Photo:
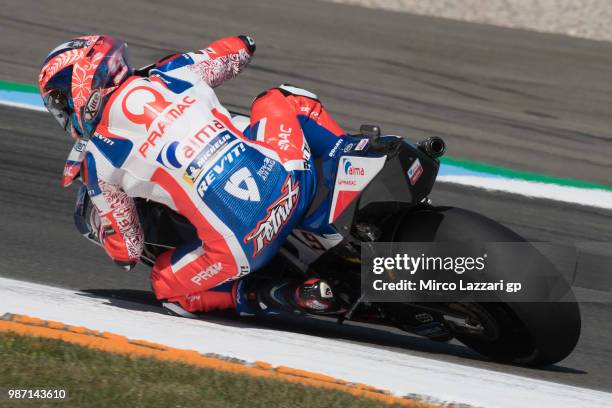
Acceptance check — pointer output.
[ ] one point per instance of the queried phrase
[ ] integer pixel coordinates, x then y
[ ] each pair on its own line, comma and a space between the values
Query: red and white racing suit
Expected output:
167, 138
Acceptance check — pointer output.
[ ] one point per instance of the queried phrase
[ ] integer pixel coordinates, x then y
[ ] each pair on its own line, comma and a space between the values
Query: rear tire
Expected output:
532, 334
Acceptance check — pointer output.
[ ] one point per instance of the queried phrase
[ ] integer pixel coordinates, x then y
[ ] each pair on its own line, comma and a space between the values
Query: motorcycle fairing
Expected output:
353, 174
341, 176
339, 181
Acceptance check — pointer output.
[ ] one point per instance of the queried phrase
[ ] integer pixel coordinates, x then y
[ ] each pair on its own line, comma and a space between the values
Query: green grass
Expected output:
522, 175
13, 86
98, 379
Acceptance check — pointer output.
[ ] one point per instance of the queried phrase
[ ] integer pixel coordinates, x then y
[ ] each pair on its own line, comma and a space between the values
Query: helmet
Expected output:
78, 76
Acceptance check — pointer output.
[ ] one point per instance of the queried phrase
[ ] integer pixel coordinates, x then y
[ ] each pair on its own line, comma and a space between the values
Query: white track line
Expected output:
400, 373
532, 189
23, 106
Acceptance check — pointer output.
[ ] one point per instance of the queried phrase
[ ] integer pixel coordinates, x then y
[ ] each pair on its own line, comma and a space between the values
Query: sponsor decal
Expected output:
242, 185
266, 168
348, 147
167, 156
71, 170
244, 270
73, 45
117, 68
155, 109
353, 175
175, 112
201, 138
223, 164
104, 139
276, 218
116, 150
93, 105
79, 43
352, 170
120, 74
349, 173
306, 151
306, 155
80, 146
152, 109
361, 145
206, 155
73, 162
334, 150
283, 138
249, 40
415, 171
207, 273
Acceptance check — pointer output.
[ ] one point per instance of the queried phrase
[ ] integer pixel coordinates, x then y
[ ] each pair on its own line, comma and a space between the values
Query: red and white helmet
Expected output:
78, 76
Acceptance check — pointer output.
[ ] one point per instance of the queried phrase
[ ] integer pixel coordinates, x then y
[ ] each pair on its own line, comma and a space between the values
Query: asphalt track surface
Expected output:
524, 100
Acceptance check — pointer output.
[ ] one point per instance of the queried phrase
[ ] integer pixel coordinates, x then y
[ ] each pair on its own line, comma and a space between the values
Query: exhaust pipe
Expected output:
434, 147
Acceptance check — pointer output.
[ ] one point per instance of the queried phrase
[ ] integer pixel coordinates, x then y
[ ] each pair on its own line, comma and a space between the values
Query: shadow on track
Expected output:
366, 335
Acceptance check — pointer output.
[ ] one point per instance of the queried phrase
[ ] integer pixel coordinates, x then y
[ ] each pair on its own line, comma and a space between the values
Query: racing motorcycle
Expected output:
388, 202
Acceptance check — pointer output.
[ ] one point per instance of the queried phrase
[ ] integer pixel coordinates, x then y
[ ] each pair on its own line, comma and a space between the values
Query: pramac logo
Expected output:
155, 104
145, 105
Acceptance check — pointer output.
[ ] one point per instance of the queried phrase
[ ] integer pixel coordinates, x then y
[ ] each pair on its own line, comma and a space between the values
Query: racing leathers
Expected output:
166, 137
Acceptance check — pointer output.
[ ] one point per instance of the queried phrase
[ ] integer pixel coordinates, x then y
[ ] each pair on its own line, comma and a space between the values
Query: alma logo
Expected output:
154, 104
351, 170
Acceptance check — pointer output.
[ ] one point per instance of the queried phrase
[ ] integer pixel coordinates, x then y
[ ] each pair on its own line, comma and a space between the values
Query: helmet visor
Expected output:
56, 97
56, 102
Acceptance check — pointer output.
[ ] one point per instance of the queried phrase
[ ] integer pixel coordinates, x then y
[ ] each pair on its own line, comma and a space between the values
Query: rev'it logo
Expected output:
154, 104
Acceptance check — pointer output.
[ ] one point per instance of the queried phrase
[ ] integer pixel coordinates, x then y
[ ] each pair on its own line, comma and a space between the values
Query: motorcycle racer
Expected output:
163, 135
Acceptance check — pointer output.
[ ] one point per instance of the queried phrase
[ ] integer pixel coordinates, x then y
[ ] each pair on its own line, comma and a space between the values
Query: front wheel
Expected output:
528, 333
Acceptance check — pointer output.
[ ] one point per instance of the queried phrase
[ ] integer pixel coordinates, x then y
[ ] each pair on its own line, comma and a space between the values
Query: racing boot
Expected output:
314, 296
